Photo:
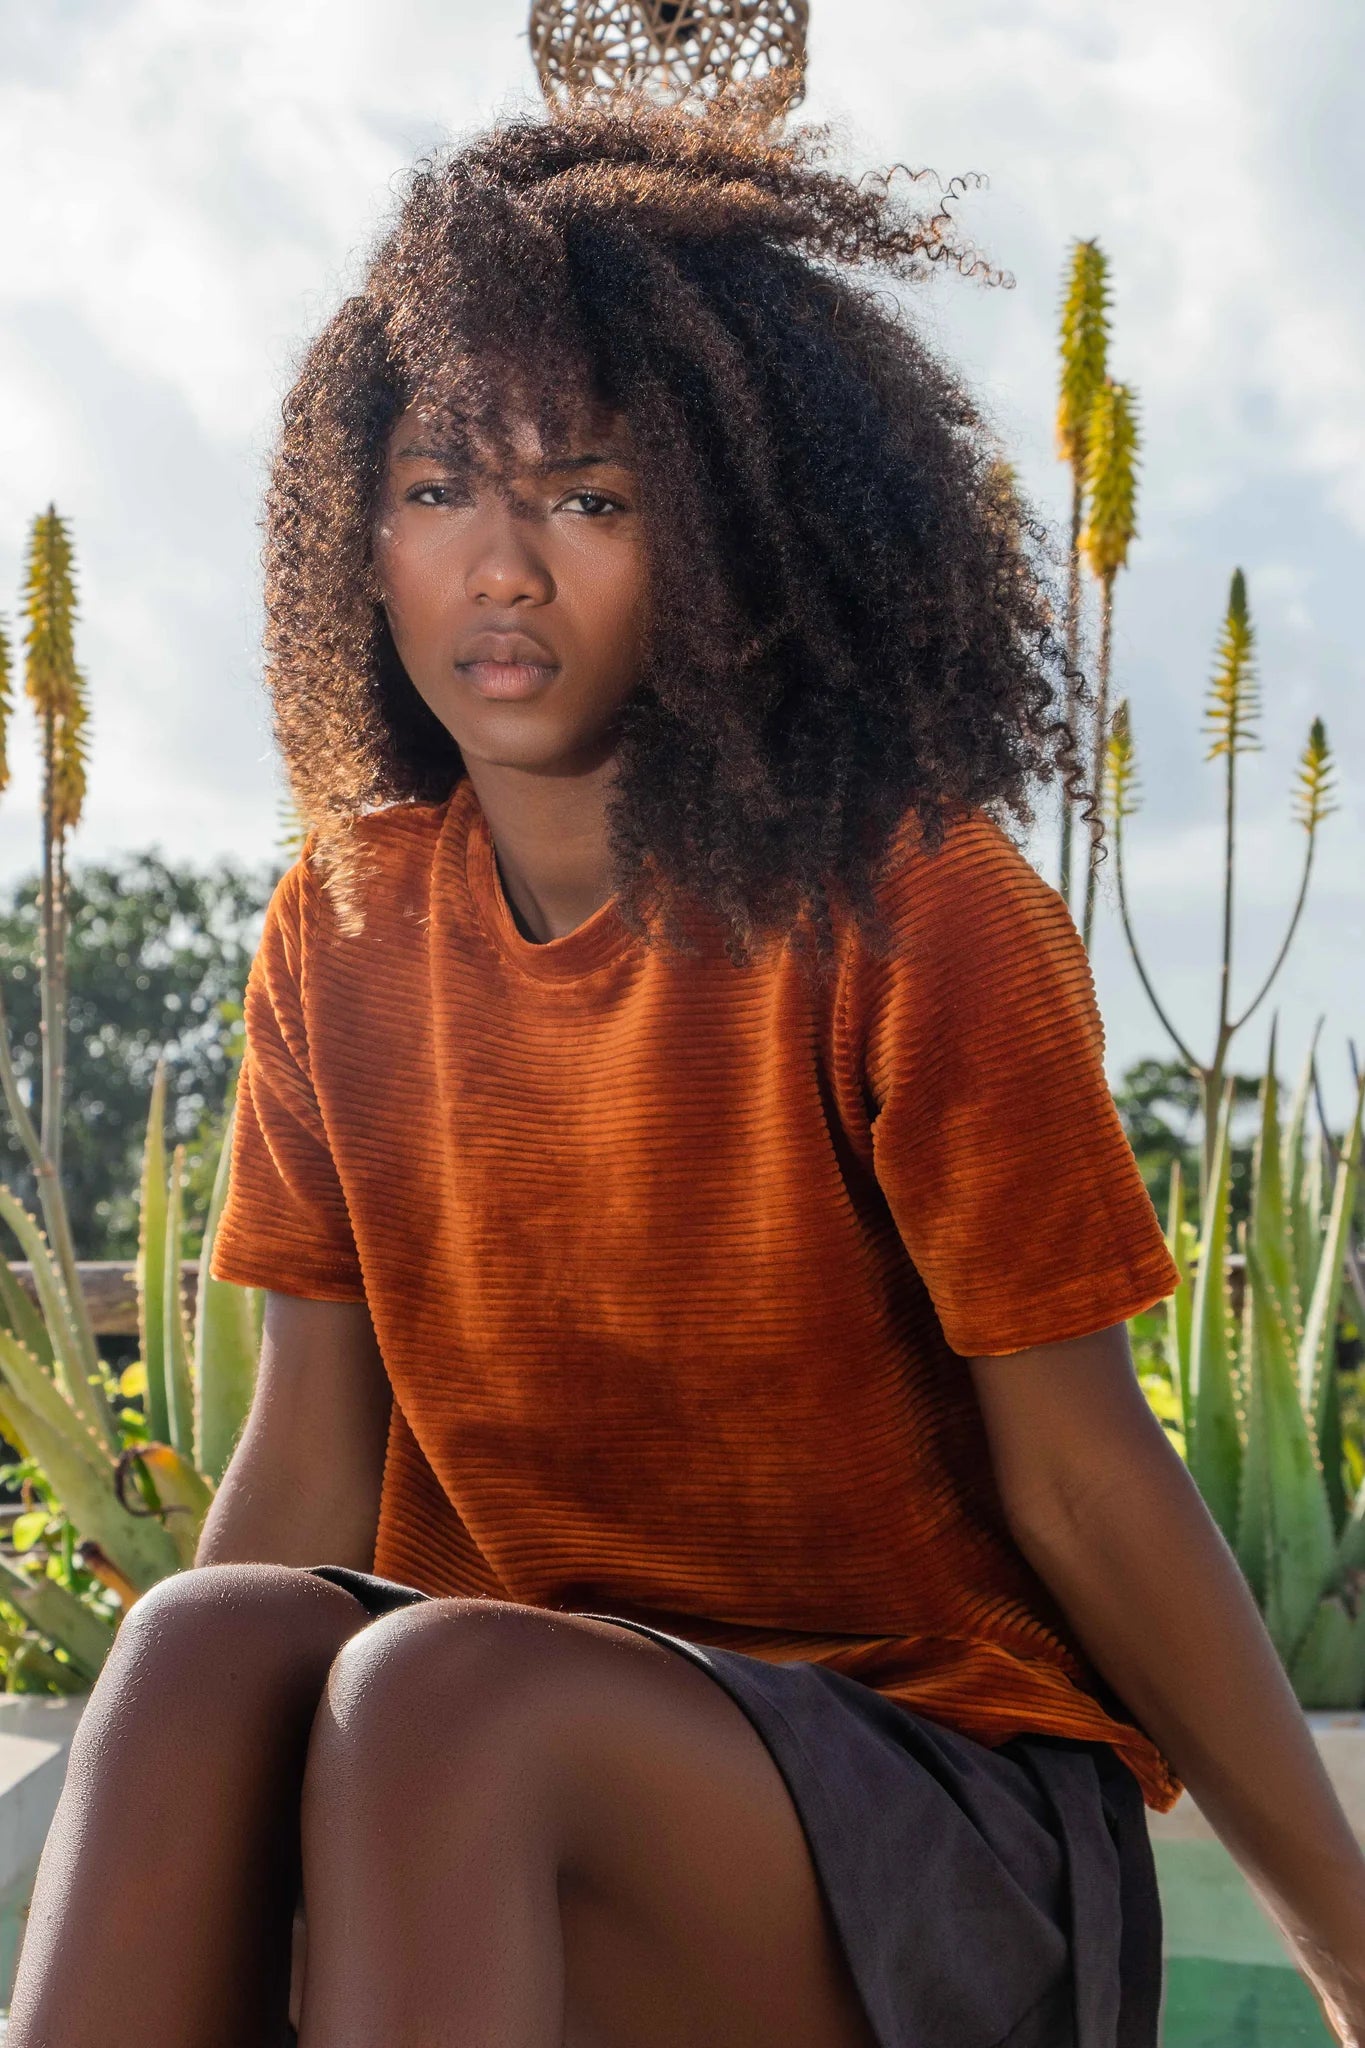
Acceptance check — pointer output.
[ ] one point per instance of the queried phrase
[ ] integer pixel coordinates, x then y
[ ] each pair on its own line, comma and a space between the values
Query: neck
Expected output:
550, 836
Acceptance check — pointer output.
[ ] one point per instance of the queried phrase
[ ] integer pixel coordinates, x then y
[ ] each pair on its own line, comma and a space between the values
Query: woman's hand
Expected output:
1104, 1510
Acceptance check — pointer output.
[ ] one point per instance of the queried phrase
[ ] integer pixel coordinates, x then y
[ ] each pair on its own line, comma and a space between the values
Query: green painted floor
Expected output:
1238, 2005
1228, 1981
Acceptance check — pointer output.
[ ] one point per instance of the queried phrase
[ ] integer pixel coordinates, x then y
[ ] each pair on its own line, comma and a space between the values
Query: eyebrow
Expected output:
558, 466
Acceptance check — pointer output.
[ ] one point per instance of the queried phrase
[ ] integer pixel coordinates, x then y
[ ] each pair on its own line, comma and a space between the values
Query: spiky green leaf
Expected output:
225, 1345
1301, 1546
1327, 1670
151, 1260
66, 1622
1180, 1305
68, 1352
1317, 1347
179, 1387
1213, 1446
20, 1316
1270, 1231
80, 1472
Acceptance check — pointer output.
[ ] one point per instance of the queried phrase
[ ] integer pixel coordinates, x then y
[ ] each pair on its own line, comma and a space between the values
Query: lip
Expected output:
506, 666
507, 680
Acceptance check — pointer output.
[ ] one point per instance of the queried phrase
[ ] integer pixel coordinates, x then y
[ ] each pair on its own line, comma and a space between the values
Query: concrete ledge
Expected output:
35, 1735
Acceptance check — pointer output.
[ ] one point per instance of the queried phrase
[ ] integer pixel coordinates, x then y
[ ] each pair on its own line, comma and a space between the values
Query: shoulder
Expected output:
311, 928
976, 888
389, 857
975, 946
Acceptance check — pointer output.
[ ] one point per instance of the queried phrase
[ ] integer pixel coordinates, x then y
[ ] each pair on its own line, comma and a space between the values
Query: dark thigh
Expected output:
477, 1765
692, 1912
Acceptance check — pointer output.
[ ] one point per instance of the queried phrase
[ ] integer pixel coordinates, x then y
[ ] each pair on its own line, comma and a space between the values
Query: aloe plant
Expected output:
123, 1493
1259, 1402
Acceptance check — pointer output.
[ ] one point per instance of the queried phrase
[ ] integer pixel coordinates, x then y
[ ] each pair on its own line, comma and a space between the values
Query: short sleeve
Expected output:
285, 1223
995, 1137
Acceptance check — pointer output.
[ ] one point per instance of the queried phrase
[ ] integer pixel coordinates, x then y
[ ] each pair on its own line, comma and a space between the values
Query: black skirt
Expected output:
984, 1898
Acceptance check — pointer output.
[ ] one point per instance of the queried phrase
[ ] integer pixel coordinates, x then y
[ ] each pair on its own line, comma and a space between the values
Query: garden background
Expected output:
187, 198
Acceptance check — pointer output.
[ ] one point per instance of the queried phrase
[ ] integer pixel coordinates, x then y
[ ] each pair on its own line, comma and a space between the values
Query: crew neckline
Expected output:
591, 945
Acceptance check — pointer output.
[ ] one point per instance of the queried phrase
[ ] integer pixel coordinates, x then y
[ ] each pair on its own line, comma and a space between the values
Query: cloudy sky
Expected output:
187, 190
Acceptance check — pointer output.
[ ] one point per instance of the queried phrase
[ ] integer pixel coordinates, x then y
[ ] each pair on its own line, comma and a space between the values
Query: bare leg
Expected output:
538, 1831
165, 1893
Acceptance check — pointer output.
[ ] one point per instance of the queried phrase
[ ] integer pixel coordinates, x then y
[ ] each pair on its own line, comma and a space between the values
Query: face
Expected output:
516, 595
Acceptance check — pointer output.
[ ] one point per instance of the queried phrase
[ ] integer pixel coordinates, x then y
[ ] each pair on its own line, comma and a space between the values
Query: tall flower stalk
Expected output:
57, 691
1231, 716
1109, 531
1084, 356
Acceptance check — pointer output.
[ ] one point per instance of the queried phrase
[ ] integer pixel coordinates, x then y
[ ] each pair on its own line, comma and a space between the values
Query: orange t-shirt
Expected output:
674, 1264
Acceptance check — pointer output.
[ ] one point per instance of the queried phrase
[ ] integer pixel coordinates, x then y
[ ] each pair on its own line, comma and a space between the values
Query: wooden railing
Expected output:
111, 1292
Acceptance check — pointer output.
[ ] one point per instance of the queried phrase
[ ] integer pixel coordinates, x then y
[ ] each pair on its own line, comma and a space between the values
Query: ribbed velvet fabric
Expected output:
674, 1265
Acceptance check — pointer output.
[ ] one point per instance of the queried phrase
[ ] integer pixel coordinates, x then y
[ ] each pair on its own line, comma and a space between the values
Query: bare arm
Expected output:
303, 1484
1106, 1513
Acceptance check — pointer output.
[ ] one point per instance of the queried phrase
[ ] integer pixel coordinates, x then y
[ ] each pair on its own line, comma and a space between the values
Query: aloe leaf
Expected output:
22, 1317
1315, 1206
1269, 1233
1332, 1450
151, 1260
179, 1388
139, 1548
184, 1494
1317, 1349
44, 1674
1301, 1547
1180, 1305
69, 1358
58, 1615
1302, 1188
36, 1388
1213, 1446
1293, 1159
225, 1342
1327, 1670
1351, 1542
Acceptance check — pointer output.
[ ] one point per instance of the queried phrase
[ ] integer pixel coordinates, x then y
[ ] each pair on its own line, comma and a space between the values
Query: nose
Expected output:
505, 565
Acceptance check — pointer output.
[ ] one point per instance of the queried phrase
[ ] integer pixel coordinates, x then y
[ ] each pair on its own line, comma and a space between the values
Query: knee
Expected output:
440, 1680
220, 1633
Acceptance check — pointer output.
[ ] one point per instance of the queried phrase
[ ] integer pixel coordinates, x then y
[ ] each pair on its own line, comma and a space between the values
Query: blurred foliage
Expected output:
157, 961
1158, 1102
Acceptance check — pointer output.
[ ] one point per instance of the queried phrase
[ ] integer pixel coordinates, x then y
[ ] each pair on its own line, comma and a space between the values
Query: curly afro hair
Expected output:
851, 617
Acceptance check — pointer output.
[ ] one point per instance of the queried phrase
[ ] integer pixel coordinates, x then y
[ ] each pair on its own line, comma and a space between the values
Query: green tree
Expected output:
1158, 1102
158, 957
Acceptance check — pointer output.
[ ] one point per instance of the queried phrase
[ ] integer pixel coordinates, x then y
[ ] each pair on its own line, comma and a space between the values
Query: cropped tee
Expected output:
675, 1264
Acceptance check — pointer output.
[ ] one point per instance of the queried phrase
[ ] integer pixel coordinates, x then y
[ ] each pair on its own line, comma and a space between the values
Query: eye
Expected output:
444, 493
592, 504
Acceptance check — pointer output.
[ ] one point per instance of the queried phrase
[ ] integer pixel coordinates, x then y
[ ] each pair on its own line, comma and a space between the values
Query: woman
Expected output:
752, 1597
